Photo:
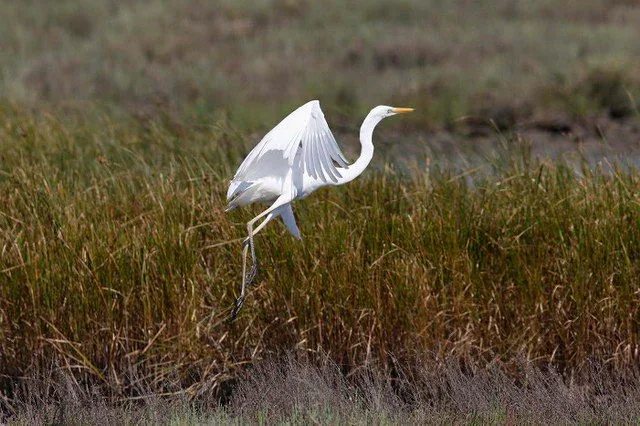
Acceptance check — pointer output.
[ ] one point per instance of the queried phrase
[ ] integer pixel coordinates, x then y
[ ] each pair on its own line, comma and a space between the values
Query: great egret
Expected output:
294, 159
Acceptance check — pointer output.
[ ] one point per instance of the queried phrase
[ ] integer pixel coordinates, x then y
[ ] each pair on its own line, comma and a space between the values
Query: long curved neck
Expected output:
366, 152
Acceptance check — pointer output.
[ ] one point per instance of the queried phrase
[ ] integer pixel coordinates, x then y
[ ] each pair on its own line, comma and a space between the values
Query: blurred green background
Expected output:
507, 60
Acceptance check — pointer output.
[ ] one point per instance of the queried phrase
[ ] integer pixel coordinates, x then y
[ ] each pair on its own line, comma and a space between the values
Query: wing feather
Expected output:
334, 150
329, 171
304, 129
317, 160
309, 163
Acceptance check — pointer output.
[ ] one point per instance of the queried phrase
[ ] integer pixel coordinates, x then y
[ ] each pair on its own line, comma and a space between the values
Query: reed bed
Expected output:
119, 265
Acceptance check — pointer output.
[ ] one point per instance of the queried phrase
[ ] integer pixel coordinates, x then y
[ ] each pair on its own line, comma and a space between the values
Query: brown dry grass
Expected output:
118, 265
117, 256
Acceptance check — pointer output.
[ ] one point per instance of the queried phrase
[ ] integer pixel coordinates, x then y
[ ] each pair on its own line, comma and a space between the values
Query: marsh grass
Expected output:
119, 265
292, 390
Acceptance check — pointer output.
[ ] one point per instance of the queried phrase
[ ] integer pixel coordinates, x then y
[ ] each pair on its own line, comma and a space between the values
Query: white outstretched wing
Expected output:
304, 130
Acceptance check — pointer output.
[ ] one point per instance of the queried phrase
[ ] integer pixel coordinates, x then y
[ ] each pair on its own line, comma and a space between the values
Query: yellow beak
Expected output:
402, 110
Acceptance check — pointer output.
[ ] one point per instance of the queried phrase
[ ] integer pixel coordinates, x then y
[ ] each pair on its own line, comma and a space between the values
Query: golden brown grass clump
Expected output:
116, 256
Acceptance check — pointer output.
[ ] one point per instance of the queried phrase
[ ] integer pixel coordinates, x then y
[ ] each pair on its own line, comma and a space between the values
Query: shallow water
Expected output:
602, 144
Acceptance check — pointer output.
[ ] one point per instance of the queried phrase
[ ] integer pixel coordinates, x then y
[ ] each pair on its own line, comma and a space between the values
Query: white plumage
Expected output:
294, 159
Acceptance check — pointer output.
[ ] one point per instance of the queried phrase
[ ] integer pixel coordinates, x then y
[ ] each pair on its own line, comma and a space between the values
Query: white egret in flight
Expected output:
294, 159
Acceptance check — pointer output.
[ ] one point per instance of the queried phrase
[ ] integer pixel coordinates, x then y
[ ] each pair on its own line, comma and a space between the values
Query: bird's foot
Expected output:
237, 305
251, 275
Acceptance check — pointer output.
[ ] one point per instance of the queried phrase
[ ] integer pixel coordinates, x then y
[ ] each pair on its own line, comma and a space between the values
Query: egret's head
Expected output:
383, 111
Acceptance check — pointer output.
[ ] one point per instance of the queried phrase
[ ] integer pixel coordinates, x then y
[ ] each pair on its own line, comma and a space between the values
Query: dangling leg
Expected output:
287, 216
237, 305
247, 278
248, 242
271, 212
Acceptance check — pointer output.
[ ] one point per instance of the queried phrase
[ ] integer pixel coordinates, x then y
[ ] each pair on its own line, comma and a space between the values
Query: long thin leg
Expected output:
244, 270
254, 261
252, 232
247, 279
264, 223
240, 300
282, 200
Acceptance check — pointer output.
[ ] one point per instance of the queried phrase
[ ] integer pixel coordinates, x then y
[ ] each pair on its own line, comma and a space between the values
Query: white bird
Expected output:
297, 157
